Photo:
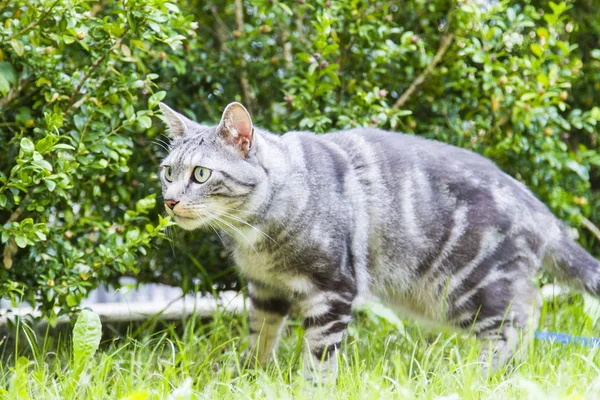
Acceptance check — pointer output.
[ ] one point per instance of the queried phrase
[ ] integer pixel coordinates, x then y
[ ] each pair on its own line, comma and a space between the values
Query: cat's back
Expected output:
408, 151
403, 160
395, 168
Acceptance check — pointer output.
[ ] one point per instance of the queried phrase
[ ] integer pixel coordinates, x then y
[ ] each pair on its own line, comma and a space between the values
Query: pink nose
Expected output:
171, 203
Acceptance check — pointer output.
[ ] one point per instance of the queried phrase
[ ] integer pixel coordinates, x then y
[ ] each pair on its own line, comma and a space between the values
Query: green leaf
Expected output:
3, 200
146, 204
581, 170
8, 72
543, 79
8, 77
42, 81
40, 235
156, 98
172, 7
145, 122
4, 86
132, 234
100, 164
86, 337
128, 110
43, 164
80, 121
21, 241
50, 184
43, 145
63, 146
285, 8
479, 58
17, 45
536, 49
528, 96
27, 146
381, 311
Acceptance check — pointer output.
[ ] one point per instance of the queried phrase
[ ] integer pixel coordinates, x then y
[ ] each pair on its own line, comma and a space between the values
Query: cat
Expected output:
316, 222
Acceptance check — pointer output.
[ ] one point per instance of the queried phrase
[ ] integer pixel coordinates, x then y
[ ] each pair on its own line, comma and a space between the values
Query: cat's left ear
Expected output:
176, 122
236, 128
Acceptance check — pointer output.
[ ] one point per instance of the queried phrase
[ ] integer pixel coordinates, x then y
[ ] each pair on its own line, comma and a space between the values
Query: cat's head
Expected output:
211, 175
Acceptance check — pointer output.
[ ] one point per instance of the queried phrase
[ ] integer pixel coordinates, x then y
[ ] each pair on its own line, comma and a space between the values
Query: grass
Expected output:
201, 360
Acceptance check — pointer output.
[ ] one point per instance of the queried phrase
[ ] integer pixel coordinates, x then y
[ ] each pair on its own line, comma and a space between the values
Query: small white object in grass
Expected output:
453, 396
183, 391
574, 233
551, 291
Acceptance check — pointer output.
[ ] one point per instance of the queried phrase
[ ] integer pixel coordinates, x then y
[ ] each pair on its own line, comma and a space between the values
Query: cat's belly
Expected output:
421, 300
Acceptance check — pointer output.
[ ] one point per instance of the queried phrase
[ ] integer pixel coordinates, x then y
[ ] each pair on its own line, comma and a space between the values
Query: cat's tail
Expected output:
571, 264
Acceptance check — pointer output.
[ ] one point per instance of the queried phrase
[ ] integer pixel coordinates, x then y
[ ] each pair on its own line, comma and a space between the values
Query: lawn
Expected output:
380, 359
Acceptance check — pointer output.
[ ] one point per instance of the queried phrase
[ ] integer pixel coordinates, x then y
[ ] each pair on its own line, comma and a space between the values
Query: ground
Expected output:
379, 361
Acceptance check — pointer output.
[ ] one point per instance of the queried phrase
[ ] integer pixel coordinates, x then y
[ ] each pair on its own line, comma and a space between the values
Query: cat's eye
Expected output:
201, 174
168, 173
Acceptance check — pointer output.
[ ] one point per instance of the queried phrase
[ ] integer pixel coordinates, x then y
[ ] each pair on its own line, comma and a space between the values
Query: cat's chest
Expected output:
260, 260
256, 259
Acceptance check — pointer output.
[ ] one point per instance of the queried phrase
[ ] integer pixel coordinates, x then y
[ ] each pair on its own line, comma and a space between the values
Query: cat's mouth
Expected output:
189, 222
183, 217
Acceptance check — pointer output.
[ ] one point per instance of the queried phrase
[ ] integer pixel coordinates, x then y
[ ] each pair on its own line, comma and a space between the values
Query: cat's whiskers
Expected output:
162, 144
216, 231
217, 218
239, 219
170, 233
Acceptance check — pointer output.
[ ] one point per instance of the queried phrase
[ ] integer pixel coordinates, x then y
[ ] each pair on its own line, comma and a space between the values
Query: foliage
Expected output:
517, 82
77, 93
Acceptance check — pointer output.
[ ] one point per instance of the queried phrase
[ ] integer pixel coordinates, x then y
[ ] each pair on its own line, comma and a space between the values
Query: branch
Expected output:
239, 15
209, 110
445, 43
286, 47
9, 249
11, 246
589, 225
239, 26
17, 213
94, 66
33, 24
499, 123
220, 29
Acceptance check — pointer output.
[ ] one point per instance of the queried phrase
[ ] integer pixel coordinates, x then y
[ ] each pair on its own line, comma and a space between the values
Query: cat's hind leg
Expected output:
505, 317
326, 315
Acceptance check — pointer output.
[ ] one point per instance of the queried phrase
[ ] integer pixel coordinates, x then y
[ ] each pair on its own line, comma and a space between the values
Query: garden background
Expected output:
517, 81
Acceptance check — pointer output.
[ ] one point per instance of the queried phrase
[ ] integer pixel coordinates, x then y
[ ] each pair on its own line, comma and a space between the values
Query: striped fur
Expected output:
316, 221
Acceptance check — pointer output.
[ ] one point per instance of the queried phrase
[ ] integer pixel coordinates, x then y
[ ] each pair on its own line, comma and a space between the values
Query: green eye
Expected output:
169, 173
201, 174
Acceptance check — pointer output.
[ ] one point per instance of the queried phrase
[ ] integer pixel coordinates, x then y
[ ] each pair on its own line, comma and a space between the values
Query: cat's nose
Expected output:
171, 203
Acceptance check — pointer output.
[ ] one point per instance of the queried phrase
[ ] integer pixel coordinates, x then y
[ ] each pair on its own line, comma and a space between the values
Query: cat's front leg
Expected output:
267, 311
326, 315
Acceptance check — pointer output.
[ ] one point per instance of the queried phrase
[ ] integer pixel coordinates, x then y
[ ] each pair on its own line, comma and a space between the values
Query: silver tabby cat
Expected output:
315, 222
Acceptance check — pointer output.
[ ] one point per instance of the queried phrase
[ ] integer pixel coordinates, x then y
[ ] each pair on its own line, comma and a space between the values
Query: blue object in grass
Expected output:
567, 339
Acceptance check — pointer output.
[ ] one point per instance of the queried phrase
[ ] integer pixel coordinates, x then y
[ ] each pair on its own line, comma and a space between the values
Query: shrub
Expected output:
515, 81
78, 94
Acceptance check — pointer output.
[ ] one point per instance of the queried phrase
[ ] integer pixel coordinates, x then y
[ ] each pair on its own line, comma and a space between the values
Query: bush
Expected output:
517, 82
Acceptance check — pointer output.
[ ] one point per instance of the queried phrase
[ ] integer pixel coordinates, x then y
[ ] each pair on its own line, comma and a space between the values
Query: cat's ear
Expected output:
236, 128
176, 122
